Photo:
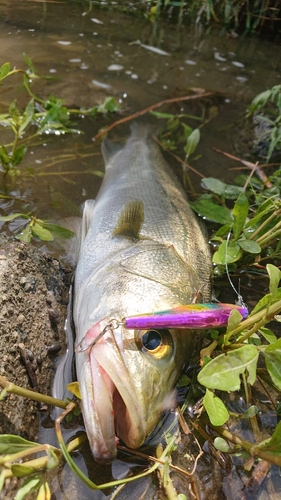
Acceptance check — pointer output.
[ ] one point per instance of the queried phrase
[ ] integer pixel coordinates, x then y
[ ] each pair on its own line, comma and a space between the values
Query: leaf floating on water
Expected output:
224, 371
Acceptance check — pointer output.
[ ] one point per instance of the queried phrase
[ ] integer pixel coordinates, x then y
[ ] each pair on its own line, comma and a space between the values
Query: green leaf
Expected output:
274, 278
29, 485
192, 142
184, 381
5, 218
233, 321
21, 470
58, 231
265, 301
25, 235
2, 479
259, 101
28, 61
27, 116
218, 187
10, 444
53, 460
250, 413
161, 115
222, 445
4, 156
211, 211
216, 409
41, 232
272, 354
187, 131
268, 334
240, 213
224, 371
274, 444
18, 155
3, 394
249, 246
4, 70
227, 252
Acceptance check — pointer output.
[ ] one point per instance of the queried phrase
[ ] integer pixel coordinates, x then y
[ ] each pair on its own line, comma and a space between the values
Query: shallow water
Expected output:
90, 50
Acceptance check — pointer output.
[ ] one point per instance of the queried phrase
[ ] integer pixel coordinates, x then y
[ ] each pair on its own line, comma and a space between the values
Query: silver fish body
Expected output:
142, 250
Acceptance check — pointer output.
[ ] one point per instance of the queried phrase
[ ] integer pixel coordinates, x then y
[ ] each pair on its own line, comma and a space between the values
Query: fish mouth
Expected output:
111, 409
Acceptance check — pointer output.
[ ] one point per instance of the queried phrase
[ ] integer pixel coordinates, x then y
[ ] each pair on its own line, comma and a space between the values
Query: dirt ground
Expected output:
33, 301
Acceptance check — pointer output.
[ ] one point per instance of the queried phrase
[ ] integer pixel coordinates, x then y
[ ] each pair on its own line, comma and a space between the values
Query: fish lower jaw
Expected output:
110, 413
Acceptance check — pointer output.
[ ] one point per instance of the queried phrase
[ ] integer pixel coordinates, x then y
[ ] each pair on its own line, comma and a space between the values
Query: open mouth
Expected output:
111, 409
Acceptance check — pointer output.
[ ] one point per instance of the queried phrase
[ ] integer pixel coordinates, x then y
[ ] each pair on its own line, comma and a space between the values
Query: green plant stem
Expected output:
251, 448
81, 474
261, 318
264, 224
35, 396
41, 462
24, 453
165, 477
271, 236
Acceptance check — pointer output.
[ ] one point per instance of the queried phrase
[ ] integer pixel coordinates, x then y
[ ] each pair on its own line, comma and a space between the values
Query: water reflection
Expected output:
91, 52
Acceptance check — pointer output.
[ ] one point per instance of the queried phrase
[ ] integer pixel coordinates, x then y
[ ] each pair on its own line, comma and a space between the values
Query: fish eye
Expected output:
157, 343
151, 340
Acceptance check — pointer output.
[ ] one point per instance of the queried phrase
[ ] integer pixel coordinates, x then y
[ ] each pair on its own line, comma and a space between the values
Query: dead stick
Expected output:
150, 108
247, 164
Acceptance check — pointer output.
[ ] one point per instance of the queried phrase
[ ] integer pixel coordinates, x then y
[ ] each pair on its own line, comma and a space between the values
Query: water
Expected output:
92, 51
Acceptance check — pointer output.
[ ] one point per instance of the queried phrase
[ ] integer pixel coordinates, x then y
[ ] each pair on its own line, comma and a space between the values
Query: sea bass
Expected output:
142, 249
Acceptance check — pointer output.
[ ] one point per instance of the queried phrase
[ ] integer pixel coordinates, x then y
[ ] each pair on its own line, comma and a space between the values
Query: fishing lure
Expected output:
191, 316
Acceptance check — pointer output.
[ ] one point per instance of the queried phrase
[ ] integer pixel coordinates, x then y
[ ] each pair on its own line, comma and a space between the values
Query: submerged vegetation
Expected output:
245, 233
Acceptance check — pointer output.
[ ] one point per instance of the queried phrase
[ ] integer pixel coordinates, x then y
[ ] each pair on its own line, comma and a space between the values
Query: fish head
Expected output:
128, 376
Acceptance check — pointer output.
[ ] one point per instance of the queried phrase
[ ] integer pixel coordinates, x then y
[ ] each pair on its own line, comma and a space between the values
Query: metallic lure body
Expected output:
142, 249
194, 316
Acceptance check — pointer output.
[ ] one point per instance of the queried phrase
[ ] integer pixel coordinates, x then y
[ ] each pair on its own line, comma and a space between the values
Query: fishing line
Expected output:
240, 300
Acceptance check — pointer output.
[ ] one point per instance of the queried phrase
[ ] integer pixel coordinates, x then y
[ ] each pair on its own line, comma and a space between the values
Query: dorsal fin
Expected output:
130, 220
110, 149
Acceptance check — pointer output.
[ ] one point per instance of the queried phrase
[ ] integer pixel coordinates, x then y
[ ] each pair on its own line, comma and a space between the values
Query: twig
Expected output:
150, 108
248, 164
179, 159
35, 396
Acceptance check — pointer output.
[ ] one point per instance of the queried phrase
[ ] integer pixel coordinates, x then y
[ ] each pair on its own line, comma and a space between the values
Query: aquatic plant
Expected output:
235, 14
49, 116
266, 110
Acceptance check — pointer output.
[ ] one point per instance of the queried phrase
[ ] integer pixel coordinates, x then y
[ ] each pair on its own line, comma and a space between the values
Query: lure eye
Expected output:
157, 343
151, 340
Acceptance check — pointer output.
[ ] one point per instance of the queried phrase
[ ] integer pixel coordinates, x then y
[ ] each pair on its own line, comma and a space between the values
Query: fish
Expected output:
141, 249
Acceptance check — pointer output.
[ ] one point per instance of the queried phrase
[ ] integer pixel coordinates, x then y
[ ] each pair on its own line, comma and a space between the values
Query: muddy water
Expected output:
91, 50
